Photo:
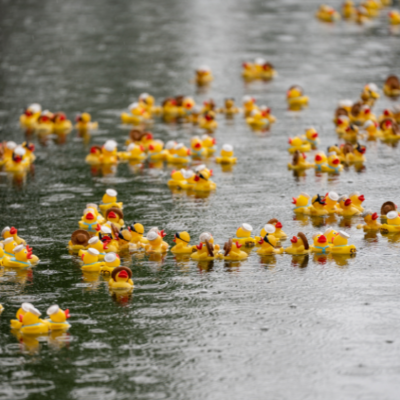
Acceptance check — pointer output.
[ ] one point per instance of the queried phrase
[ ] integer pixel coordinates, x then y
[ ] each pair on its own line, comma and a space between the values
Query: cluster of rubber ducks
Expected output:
258, 69
14, 252
364, 12
45, 122
15, 158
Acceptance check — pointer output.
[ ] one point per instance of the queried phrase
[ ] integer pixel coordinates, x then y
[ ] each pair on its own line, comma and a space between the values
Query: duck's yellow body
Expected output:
182, 246
327, 14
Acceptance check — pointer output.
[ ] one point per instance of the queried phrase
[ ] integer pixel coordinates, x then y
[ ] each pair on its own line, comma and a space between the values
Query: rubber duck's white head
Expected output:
204, 69
227, 150
341, 238
154, 238
112, 260
21, 253
170, 145
110, 196
205, 236
248, 101
110, 146
244, 230
393, 218
35, 108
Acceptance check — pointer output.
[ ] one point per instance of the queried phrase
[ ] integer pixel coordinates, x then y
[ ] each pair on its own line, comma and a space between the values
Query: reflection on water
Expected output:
275, 326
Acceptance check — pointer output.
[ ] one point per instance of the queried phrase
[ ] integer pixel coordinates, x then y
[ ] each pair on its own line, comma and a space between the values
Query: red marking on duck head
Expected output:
278, 225
374, 216
347, 202
322, 239
294, 239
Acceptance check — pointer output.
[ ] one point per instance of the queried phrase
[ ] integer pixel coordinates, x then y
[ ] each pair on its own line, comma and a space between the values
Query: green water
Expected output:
265, 328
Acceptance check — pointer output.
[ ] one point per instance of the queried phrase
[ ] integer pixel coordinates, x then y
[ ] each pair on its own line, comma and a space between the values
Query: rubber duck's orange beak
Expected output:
211, 172
162, 234
188, 152
189, 105
123, 275
93, 150
28, 113
347, 202
82, 257
13, 231
151, 147
386, 113
261, 241
336, 161
374, 216
66, 312
322, 239
304, 156
294, 201
89, 216
197, 146
112, 214
199, 246
29, 255
315, 135
278, 225
196, 178
238, 245
141, 148
20, 317
149, 136
214, 141
293, 239
290, 141
361, 198
318, 158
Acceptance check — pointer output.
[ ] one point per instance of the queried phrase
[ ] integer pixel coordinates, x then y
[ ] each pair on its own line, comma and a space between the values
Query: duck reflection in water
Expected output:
300, 175
392, 237
302, 218
205, 265
268, 261
371, 237
106, 170
29, 343
122, 297
318, 221
321, 259
300, 261
93, 280
232, 266
182, 262
227, 167
345, 222
342, 260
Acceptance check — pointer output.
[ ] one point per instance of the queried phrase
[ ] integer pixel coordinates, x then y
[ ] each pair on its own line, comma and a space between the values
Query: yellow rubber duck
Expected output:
229, 108
348, 9
9, 245
179, 178
260, 69
301, 203
44, 124
209, 144
268, 244
8, 151
30, 116
121, 279
202, 180
327, 14
29, 149
232, 251
110, 200
17, 322
295, 98
155, 243
390, 130
370, 94
111, 261
330, 234
249, 105
138, 114
393, 223
371, 222
91, 261
133, 152
311, 136
320, 244
279, 233
392, 86
30, 322
17, 163
207, 121
347, 208
115, 216
109, 152
371, 130
357, 199
387, 206
20, 259
340, 244
148, 102
297, 144
243, 236
266, 114
372, 7
95, 243
194, 116
257, 119
12, 232
205, 250
89, 221
84, 123
156, 152
109, 235
299, 245
299, 161
57, 320
79, 240
331, 202
137, 232
203, 75
317, 206
333, 165
320, 161
182, 155
394, 17
61, 124
343, 122
182, 246
226, 156
357, 155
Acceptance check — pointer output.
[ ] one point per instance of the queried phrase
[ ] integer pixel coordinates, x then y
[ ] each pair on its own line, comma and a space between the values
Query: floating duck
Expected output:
266, 114
295, 98
29, 149
390, 130
299, 162
229, 108
387, 206
89, 221
392, 86
148, 102
327, 14
320, 161
121, 279
249, 105
260, 69
202, 180
79, 240
138, 114
370, 94
91, 261
20, 258
372, 130
209, 144
357, 155
351, 133
170, 111
182, 246
232, 251
333, 165
257, 119
116, 216
348, 9
110, 200
12, 232
317, 206
57, 320
111, 261
371, 221
393, 223
61, 124
137, 232
372, 7
340, 244
179, 179
9, 245
107, 154
30, 323
8, 150
268, 244
203, 75
302, 203
30, 116
156, 152
394, 17
343, 122
206, 250
357, 199
185, 107
208, 122
299, 245
84, 123
297, 144
320, 244
155, 243
194, 116
331, 202
347, 207
243, 236
181, 155
17, 322
109, 235
226, 156
330, 234
197, 149
311, 136
95, 243
17, 163
133, 152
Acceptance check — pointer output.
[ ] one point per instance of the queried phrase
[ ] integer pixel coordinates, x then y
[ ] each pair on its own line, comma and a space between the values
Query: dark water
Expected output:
273, 328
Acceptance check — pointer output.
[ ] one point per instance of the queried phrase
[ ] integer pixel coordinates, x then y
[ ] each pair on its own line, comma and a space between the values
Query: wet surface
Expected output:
277, 327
